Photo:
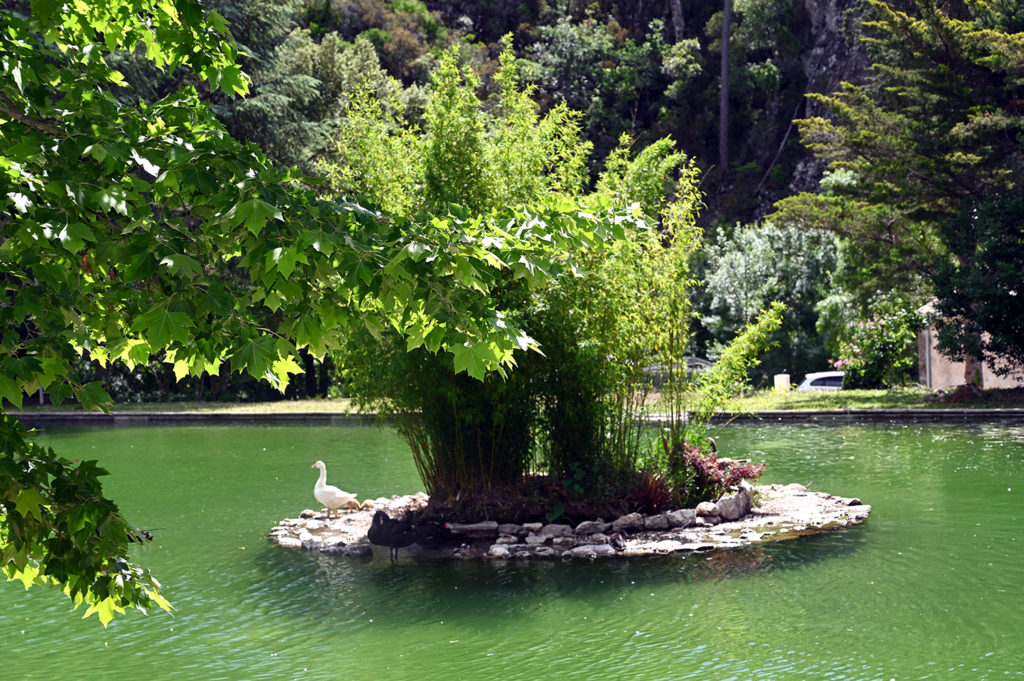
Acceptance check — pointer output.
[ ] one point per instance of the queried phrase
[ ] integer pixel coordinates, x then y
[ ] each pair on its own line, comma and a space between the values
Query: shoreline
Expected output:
61, 419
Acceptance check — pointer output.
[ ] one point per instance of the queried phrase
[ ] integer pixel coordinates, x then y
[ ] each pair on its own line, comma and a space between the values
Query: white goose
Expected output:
329, 495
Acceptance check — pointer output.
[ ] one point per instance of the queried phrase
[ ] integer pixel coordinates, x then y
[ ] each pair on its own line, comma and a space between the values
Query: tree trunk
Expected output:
972, 364
678, 21
972, 372
723, 104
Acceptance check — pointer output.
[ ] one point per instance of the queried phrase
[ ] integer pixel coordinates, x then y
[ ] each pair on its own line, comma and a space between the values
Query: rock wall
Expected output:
835, 55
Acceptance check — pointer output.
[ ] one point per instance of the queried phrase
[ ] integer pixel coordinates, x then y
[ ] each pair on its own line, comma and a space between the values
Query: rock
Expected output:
315, 525
564, 542
289, 542
545, 552
631, 522
498, 551
592, 527
511, 529
507, 539
664, 546
554, 530
684, 517
483, 529
305, 536
360, 550
735, 506
656, 522
706, 509
795, 488
854, 502
599, 538
532, 527
591, 551
307, 513
535, 539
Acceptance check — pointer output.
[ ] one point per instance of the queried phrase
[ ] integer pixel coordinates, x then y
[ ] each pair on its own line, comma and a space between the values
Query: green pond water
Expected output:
930, 587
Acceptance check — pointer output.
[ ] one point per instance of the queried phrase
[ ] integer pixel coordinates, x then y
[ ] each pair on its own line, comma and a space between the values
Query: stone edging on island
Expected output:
781, 512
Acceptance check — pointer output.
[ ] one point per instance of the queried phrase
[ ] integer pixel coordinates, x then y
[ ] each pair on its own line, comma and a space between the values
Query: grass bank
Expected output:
896, 398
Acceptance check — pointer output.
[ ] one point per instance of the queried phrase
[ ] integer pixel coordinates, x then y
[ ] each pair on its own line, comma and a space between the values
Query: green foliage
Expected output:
600, 324
57, 528
140, 230
728, 376
748, 267
980, 312
685, 452
938, 121
587, 66
626, 313
466, 154
454, 164
881, 350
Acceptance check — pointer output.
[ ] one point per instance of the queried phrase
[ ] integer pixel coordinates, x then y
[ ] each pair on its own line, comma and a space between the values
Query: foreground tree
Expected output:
133, 231
938, 123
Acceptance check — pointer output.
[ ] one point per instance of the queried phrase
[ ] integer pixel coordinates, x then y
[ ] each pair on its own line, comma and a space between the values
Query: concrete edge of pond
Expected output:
54, 419
750, 516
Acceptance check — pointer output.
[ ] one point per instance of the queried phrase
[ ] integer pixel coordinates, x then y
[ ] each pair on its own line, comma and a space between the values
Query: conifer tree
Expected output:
940, 122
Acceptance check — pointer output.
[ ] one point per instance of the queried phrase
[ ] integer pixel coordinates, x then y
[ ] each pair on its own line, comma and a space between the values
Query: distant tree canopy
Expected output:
133, 230
749, 267
647, 69
938, 126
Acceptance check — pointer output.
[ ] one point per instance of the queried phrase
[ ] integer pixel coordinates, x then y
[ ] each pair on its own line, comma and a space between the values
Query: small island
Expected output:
749, 516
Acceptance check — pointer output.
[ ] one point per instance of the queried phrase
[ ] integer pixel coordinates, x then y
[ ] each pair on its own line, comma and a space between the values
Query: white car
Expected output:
822, 380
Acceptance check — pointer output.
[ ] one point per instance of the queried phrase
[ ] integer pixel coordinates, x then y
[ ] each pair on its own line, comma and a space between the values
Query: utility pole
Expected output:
723, 102
678, 21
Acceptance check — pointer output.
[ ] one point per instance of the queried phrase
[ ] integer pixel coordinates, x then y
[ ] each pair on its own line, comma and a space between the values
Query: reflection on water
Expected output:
928, 587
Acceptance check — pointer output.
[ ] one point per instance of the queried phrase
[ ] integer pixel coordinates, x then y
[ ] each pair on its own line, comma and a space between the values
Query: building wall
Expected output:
938, 372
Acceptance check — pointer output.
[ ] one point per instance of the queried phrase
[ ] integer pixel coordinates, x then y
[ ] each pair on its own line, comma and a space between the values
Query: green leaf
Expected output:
232, 80
280, 372
180, 262
29, 504
475, 358
254, 213
255, 356
93, 396
161, 326
285, 258
10, 390
112, 199
104, 609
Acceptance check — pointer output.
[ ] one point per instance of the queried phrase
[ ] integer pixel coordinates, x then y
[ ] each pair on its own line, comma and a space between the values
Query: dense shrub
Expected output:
882, 350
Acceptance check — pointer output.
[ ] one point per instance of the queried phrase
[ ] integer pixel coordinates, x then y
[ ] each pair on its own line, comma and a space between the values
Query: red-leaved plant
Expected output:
695, 475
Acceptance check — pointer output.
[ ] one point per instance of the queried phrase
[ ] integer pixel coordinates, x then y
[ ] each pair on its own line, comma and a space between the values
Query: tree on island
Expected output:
134, 231
606, 322
938, 128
